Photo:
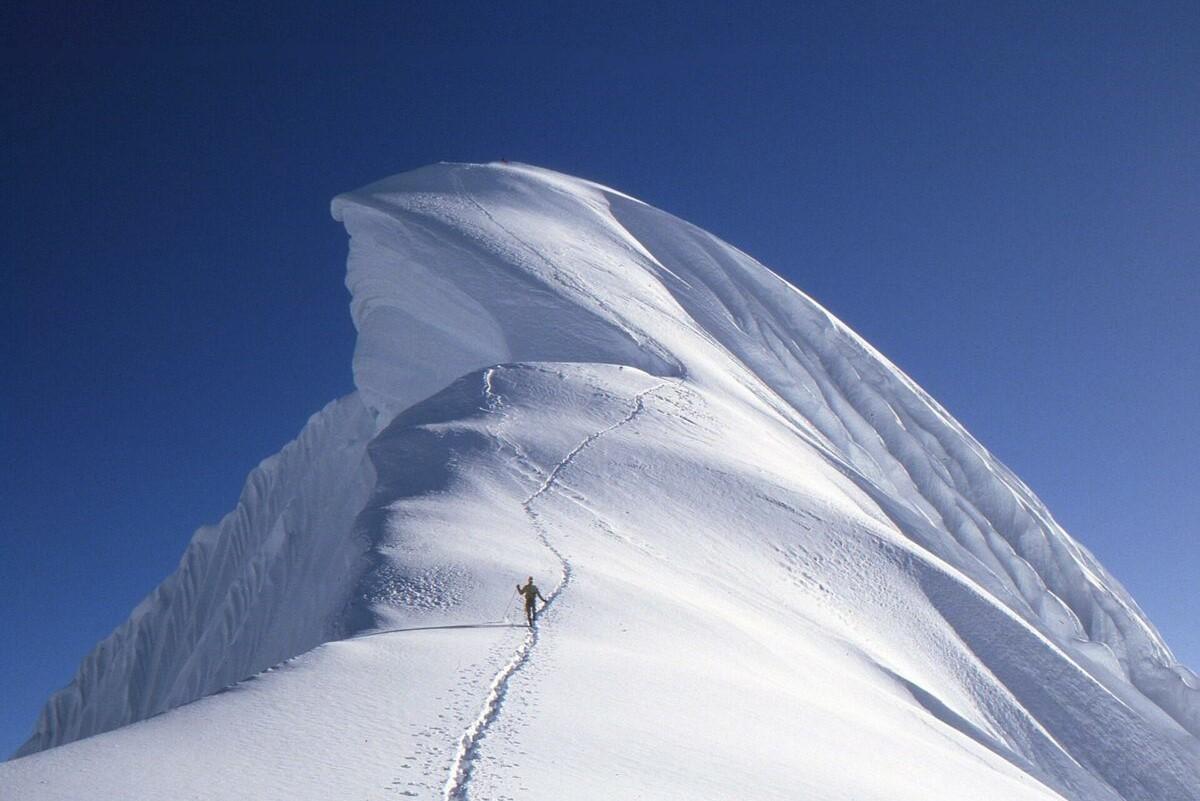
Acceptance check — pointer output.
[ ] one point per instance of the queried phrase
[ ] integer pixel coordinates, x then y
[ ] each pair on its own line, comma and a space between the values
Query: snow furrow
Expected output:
638, 406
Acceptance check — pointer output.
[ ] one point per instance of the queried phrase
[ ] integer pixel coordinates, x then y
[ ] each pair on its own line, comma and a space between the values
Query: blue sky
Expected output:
1003, 200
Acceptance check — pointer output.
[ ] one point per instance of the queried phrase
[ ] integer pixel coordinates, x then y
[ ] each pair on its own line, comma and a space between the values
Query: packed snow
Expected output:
776, 567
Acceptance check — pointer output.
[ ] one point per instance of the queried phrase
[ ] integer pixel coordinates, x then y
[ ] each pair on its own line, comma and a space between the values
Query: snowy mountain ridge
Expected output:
555, 377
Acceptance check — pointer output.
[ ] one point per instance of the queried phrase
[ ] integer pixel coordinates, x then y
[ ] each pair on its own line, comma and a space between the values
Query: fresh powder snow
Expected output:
776, 568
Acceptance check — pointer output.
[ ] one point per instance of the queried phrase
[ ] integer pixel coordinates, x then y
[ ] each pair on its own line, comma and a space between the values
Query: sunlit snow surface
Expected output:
777, 569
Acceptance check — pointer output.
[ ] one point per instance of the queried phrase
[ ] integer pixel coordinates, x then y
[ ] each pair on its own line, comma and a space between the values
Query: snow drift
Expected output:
777, 567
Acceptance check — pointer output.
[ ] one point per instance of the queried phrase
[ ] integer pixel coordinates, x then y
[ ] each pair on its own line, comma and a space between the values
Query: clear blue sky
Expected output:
1005, 201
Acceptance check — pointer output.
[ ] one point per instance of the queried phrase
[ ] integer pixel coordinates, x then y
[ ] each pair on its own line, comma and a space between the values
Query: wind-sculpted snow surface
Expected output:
255, 589
781, 569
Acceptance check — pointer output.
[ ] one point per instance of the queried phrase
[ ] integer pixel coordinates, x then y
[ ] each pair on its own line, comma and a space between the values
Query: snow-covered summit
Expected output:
780, 569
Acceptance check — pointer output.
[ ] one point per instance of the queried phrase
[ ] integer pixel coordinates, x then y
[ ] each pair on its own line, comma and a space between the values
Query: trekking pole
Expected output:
511, 598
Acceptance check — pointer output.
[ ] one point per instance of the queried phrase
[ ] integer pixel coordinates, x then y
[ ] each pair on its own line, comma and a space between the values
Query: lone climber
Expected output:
531, 593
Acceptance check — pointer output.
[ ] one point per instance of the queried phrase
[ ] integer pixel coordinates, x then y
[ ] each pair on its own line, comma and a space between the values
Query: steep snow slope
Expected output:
257, 588
782, 570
